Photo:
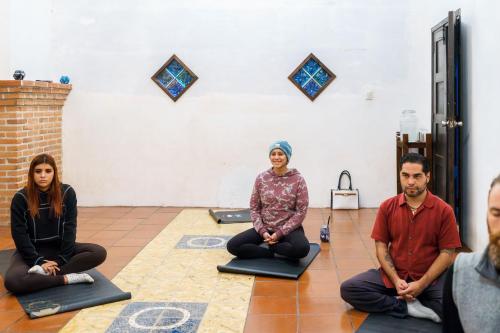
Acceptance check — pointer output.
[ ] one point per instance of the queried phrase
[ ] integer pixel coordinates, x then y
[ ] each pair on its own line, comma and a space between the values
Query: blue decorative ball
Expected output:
64, 79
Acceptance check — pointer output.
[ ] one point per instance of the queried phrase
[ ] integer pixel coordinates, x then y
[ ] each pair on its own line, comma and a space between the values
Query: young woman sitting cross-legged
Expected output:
43, 225
278, 207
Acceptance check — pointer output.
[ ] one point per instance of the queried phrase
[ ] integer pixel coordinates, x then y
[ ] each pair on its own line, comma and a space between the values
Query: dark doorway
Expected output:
446, 118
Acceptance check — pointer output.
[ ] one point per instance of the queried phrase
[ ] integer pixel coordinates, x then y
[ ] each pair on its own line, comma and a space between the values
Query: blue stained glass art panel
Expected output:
321, 77
184, 78
311, 88
175, 68
301, 77
311, 77
174, 77
311, 66
175, 88
165, 78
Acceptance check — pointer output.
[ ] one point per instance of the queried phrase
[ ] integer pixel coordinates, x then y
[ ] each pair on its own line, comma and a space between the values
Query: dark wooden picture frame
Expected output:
322, 87
162, 69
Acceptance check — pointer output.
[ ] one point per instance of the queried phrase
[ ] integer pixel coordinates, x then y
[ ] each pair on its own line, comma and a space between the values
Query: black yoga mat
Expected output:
5, 260
382, 323
231, 216
278, 266
67, 298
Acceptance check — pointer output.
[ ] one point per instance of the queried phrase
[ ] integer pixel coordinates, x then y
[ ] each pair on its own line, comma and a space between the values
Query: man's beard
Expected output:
494, 249
418, 191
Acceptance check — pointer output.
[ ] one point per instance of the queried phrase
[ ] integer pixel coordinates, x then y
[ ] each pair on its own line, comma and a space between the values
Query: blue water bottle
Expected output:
324, 233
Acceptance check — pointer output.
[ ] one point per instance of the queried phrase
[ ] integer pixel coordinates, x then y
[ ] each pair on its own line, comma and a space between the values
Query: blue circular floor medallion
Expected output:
206, 241
182, 319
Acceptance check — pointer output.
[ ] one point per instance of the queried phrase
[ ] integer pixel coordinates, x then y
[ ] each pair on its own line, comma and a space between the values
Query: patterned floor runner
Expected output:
175, 285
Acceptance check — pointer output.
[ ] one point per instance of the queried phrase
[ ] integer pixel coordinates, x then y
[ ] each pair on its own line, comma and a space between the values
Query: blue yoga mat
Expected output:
382, 323
278, 266
67, 298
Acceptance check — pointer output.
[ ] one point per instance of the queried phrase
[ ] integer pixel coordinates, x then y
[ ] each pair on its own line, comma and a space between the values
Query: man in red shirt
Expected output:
415, 237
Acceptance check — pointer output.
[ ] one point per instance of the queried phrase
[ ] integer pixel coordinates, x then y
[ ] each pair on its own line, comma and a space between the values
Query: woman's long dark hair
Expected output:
54, 192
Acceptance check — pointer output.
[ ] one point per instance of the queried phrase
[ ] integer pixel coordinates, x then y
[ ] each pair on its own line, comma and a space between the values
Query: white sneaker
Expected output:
418, 310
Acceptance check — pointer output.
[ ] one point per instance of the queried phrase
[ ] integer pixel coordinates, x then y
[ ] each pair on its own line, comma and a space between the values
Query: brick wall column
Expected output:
30, 124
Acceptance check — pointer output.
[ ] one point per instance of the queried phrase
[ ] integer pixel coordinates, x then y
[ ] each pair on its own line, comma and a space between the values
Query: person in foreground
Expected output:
471, 297
415, 237
278, 207
43, 226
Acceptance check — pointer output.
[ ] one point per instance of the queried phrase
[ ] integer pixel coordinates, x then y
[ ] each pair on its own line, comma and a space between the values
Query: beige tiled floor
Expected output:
311, 304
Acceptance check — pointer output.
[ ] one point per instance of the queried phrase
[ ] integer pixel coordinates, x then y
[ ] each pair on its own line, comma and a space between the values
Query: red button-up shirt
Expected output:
415, 241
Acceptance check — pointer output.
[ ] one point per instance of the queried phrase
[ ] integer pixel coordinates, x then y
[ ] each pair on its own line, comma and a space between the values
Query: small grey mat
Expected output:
382, 323
278, 266
67, 298
231, 216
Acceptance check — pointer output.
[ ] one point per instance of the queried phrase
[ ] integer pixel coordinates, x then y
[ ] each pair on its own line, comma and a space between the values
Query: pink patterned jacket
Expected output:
279, 203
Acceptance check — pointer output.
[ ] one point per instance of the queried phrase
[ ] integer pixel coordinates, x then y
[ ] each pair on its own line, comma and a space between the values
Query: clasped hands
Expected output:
270, 239
50, 267
408, 290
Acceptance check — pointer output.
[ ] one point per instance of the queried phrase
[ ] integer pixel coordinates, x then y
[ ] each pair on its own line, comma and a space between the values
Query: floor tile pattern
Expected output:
158, 317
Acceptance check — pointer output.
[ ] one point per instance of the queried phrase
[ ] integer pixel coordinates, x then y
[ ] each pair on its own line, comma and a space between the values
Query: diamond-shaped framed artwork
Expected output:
174, 78
312, 77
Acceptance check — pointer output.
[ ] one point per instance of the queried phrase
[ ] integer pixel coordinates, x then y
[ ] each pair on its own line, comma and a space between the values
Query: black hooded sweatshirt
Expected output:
45, 230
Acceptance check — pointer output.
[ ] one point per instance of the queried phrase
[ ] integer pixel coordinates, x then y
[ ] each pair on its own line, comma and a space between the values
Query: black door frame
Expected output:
453, 113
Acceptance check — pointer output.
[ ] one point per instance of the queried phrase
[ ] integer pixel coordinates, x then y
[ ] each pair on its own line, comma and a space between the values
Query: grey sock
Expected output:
73, 278
37, 269
417, 310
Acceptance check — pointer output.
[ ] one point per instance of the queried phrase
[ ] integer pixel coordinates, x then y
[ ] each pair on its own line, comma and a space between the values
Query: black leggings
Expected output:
19, 281
245, 245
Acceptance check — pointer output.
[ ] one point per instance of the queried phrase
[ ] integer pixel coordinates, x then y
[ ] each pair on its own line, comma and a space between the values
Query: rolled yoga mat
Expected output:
231, 216
277, 266
67, 298
383, 323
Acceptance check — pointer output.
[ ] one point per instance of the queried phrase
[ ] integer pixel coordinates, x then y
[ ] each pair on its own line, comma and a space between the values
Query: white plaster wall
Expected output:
30, 39
482, 119
4, 40
127, 143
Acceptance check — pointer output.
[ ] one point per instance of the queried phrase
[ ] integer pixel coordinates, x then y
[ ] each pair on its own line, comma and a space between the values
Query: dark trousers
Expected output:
367, 292
245, 245
19, 281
